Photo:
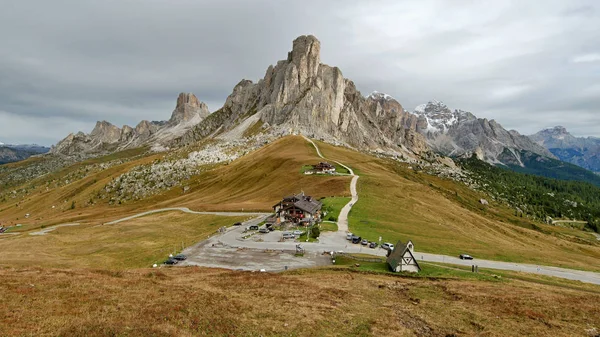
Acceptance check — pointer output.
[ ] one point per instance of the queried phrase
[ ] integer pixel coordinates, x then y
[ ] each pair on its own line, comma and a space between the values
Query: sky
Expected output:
64, 64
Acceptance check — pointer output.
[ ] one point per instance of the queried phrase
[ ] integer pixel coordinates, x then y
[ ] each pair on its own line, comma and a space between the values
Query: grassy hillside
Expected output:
537, 196
254, 182
552, 168
135, 243
396, 202
326, 302
442, 216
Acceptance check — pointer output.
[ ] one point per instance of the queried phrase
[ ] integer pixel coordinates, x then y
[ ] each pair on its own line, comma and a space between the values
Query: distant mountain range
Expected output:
583, 152
459, 133
13, 153
302, 95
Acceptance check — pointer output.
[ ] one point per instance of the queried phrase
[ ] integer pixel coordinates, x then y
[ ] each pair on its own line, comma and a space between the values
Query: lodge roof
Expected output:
311, 206
398, 253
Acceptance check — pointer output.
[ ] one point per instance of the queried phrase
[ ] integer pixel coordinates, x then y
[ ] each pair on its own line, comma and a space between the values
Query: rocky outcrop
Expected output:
188, 109
302, 95
583, 152
460, 133
105, 132
106, 137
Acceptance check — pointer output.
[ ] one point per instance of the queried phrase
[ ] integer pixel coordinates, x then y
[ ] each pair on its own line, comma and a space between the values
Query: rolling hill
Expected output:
397, 202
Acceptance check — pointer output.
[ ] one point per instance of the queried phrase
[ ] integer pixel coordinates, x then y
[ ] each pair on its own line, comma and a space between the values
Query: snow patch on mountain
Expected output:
379, 95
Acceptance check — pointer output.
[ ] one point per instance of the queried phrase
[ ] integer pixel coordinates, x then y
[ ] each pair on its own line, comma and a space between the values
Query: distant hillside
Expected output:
552, 168
538, 197
584, 152
14, 153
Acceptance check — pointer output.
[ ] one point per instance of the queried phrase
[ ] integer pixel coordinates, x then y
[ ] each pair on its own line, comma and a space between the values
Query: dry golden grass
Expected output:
254, 182
196, 301
135, 243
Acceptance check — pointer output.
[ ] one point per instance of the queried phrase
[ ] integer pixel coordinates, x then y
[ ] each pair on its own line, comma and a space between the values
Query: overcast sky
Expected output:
66, 63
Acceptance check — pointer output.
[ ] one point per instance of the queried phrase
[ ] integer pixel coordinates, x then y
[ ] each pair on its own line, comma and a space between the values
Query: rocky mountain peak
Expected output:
433, 106
584, 152
188, 108
106, 132
306, 56
556, 132
380, 96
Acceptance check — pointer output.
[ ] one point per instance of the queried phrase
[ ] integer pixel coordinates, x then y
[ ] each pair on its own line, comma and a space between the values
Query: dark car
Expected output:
253, 227
237, 224
180, 257
364, 242
465, 257
171, 261
373, 245
356, 239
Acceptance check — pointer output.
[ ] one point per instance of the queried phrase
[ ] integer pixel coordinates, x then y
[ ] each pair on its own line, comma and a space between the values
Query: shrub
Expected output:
315, 232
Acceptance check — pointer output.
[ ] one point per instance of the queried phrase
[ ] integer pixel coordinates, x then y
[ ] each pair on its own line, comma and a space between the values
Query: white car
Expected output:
349, 236
387, 245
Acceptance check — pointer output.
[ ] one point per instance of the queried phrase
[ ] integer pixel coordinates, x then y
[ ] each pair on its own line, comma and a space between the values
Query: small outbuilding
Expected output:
402, 258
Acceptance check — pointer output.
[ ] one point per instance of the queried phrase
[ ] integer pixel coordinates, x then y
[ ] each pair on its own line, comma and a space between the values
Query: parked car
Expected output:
271, 228
364, 242
465, 257
387, 245
349, 236
171, 261
373, 245
253, 227
356, 239
288, 235
237, 224
298, 232
180, 257
263, 230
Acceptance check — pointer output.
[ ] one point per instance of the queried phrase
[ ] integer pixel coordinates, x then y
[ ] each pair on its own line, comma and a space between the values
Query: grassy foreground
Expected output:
325, 302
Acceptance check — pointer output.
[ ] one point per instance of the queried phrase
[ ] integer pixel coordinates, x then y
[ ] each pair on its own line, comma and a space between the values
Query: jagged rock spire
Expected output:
187, 108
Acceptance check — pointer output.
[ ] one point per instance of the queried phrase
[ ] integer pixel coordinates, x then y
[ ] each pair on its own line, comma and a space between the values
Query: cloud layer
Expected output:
65, 64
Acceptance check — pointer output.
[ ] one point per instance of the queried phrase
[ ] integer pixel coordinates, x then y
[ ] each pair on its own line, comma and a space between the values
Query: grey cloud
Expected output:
68, 63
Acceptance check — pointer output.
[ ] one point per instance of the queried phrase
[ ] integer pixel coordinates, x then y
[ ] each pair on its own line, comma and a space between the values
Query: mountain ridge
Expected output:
106, 137
10, 153
581, 151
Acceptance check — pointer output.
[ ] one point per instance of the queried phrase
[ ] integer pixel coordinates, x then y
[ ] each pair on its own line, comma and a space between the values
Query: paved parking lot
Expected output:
221, 256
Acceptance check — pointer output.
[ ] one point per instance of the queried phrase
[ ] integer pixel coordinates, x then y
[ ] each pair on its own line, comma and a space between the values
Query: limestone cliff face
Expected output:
106, 137
300, 94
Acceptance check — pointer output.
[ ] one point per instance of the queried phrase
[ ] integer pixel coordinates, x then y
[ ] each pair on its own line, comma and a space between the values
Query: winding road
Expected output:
185, 210
342, 222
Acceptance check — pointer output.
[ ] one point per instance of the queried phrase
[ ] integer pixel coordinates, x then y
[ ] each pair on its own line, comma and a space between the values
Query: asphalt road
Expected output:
232, 238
